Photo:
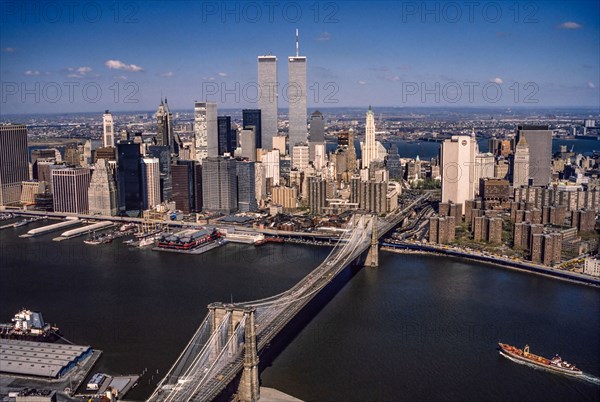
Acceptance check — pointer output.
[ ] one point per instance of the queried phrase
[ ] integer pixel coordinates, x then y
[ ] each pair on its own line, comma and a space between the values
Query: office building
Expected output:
102, 193
248, 140
187, 186
300, 157
520, 165
150, 182
227, 135
219, 185
316, 132
457, 161
271, 163
317, 195
369, 152
539, 141
129, 177
252, 118
163, 153
296, 94
108, 130
14, 162
268, 100
164, 127
279, 144
393, 163
206, 142
70, 187
246, 191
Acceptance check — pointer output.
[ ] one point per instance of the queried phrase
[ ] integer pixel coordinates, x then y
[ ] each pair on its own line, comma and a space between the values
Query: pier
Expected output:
52, 228
83, 230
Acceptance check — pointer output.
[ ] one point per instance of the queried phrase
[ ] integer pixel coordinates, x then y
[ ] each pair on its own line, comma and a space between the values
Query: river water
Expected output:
416, 328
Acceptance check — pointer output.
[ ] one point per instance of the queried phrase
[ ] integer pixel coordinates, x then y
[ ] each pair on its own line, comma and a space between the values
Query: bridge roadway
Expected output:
215, 355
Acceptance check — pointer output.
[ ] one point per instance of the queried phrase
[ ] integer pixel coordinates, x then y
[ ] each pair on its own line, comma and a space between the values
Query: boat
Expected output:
556, 364
127, 226
275, 239
21, 223
260, 242
29, 325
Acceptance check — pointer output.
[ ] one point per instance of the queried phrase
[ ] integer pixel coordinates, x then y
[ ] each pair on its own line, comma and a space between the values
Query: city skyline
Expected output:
405, 51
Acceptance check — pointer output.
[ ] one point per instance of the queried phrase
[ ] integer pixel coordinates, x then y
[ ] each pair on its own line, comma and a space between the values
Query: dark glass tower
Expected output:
227, 140
251, 117
129, 176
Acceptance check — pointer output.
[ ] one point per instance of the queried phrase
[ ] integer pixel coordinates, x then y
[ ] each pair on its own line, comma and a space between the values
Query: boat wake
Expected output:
584, 377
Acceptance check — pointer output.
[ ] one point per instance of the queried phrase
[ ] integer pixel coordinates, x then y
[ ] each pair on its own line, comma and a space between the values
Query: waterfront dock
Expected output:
69, 234
52, 228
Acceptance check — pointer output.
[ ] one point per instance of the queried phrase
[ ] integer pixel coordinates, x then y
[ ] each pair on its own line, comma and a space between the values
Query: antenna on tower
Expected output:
297, 54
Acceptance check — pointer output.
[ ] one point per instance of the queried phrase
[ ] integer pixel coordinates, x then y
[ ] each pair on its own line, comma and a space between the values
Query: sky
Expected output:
93, 55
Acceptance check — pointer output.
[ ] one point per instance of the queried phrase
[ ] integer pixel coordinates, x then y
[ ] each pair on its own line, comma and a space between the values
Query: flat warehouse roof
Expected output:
38, 358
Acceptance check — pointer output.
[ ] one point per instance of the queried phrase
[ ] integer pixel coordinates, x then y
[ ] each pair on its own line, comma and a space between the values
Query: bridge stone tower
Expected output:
249, 388
373, 254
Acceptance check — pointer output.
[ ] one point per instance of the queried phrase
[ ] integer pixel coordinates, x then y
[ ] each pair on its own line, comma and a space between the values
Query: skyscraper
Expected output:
267, 102
369, 153
102, 193
164, 156
252, 117
219, 185
317, 132
70, 186
248, 142
150, 182
129, 176
246, 178
296, 94
186, 182
14, 162
164, 126
539, 139
393, 164
458, 169
227, 136
520, 168
108, 137
206, 141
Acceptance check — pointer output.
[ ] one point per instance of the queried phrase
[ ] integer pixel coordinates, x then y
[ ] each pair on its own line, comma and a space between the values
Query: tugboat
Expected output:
556, 364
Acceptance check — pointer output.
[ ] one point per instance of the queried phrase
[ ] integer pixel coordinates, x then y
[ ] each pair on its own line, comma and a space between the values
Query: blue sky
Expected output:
89, 56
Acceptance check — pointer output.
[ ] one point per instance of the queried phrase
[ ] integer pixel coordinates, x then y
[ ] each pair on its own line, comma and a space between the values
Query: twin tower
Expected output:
294, 92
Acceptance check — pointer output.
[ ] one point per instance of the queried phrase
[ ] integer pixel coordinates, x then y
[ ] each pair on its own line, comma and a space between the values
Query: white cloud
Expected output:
392, 78
166, 74
32, 72
570, 25
74, 76
221, 74
9, 49
78, 72
361, 82
119, 65
591, 85
497, 80
120, 77
208, 78
324, 36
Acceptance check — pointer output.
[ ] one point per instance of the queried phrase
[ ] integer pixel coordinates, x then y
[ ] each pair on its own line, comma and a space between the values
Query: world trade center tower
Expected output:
296, 94
267, 102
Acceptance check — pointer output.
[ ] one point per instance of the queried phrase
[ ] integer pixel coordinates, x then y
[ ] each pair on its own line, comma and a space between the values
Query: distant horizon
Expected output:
595, 109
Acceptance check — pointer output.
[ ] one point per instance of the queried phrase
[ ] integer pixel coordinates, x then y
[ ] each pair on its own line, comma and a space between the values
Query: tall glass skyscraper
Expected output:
14, 164
252, 117
129, 176
227, 136
296, 94
268, 100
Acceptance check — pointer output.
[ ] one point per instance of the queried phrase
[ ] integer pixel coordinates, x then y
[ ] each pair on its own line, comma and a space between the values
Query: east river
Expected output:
416, 328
